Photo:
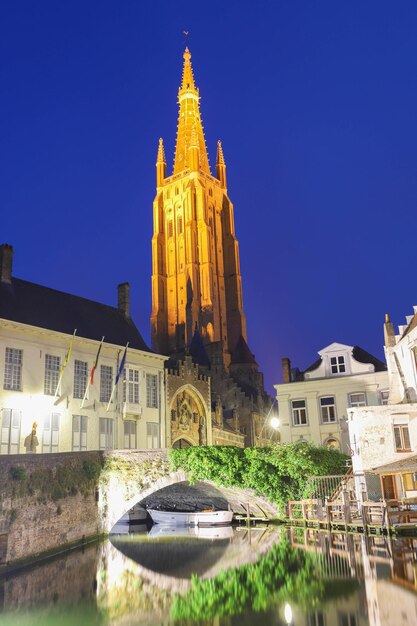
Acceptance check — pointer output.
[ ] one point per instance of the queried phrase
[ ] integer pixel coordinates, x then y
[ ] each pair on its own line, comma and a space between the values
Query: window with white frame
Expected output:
357, 399
299, 412
52, 369
106, 382
152, 391
80, 378
11, 420
328, 409
50, 435
13, 369
131, 387
79, 432
402, 438
129, 434
337, 364
106, 433
384, 396
152, 435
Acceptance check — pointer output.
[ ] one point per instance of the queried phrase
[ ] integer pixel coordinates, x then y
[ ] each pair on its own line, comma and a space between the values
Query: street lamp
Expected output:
288, 613
272, 421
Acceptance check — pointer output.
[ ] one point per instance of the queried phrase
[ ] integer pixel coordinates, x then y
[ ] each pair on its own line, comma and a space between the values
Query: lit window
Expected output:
52, 368
13, 369
337, 364
299, 412
328, 409
129, 432
152, 391
384, 396
10, 432
131, 390
79, 432
170, 229
180, 225
357, 399
106, 382
80, 378
50, 435
402, 438
332, 444
152, 435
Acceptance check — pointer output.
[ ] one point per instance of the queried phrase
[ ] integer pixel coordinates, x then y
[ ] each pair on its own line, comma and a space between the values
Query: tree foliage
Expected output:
278, 472
283, 574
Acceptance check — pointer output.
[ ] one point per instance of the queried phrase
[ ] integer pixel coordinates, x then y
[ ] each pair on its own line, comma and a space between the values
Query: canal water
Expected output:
269, 576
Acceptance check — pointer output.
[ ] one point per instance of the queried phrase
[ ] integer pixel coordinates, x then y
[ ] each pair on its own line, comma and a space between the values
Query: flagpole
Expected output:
92, 370
66, 361
118, 373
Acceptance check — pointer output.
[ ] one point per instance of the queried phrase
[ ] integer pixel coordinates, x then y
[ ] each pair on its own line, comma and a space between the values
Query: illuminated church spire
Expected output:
189, 121
196, 274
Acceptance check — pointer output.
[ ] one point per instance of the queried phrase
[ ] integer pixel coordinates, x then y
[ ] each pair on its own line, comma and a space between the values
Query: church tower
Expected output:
196, 279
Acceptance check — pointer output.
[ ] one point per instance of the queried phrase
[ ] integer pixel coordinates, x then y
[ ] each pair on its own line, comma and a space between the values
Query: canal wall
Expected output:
49, 502
46, 501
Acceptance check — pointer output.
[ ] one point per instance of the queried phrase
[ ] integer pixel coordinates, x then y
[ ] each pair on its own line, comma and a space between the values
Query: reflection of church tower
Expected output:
196, 274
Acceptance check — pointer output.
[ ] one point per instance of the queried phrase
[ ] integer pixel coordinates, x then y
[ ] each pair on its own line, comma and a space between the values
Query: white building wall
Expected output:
358, 378
35, 406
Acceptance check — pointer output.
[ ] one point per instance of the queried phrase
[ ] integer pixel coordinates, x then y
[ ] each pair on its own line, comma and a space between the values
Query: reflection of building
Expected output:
196, 280
381, 435
313, 404
37, 325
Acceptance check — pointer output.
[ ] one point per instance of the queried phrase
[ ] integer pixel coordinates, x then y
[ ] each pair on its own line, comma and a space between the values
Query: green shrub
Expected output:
18, 473
278, 472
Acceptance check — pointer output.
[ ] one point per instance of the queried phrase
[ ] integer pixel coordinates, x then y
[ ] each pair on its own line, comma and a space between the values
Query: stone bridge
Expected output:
132, 476
52, 501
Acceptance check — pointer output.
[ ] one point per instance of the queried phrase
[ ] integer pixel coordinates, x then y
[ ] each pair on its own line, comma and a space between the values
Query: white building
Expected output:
382, 435
313, 404
44, 406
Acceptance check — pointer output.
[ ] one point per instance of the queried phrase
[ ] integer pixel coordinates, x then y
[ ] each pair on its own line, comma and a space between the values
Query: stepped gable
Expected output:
241, 355
28, 303
197, 350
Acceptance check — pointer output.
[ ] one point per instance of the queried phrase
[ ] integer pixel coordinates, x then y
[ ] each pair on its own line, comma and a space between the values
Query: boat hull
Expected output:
196, 518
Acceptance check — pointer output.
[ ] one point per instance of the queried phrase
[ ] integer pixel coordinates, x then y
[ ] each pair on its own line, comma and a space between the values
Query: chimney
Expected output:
6, 261
123, 299
286, 370
389, 332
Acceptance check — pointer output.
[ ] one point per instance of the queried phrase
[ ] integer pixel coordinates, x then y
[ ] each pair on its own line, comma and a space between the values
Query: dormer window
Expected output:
337, 365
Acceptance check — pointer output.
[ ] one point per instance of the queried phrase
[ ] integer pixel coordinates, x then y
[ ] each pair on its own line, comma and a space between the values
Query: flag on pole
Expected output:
93, 369
119, 373
122, 365
65, 362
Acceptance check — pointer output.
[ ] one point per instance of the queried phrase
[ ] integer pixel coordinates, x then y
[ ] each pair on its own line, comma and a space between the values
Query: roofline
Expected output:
312, 381
50, 331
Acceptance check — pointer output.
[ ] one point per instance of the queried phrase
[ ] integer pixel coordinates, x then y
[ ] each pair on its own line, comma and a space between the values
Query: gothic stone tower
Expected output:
196, 277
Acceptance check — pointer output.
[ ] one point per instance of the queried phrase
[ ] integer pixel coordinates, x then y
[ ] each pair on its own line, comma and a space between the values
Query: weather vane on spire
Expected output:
186, 33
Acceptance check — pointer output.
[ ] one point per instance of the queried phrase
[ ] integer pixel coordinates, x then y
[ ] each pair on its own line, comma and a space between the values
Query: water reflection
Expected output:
271, 576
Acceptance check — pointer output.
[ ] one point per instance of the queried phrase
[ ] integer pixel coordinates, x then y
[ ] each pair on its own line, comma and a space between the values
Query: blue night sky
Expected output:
315, 103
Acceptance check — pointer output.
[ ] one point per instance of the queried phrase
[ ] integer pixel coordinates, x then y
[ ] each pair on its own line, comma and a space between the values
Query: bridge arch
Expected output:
118, 493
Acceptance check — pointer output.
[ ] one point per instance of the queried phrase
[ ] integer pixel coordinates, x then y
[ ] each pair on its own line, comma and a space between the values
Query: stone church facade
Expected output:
197, 305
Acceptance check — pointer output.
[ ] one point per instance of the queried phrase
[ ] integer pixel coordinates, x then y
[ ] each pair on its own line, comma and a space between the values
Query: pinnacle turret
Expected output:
161, 152
190, 132
220, 165
161, 164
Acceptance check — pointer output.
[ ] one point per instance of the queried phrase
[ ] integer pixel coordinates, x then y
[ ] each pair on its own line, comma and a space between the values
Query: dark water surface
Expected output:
219, 577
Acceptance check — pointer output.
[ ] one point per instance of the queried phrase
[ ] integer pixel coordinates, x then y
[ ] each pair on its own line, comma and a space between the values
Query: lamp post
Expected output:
271, 421
288, 613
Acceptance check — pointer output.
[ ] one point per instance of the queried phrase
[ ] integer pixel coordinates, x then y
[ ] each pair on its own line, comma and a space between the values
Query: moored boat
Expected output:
194, 518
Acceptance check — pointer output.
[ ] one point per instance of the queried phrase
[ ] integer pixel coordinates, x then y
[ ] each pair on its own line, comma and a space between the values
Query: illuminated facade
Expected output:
196, 272
44, 411
196, 280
